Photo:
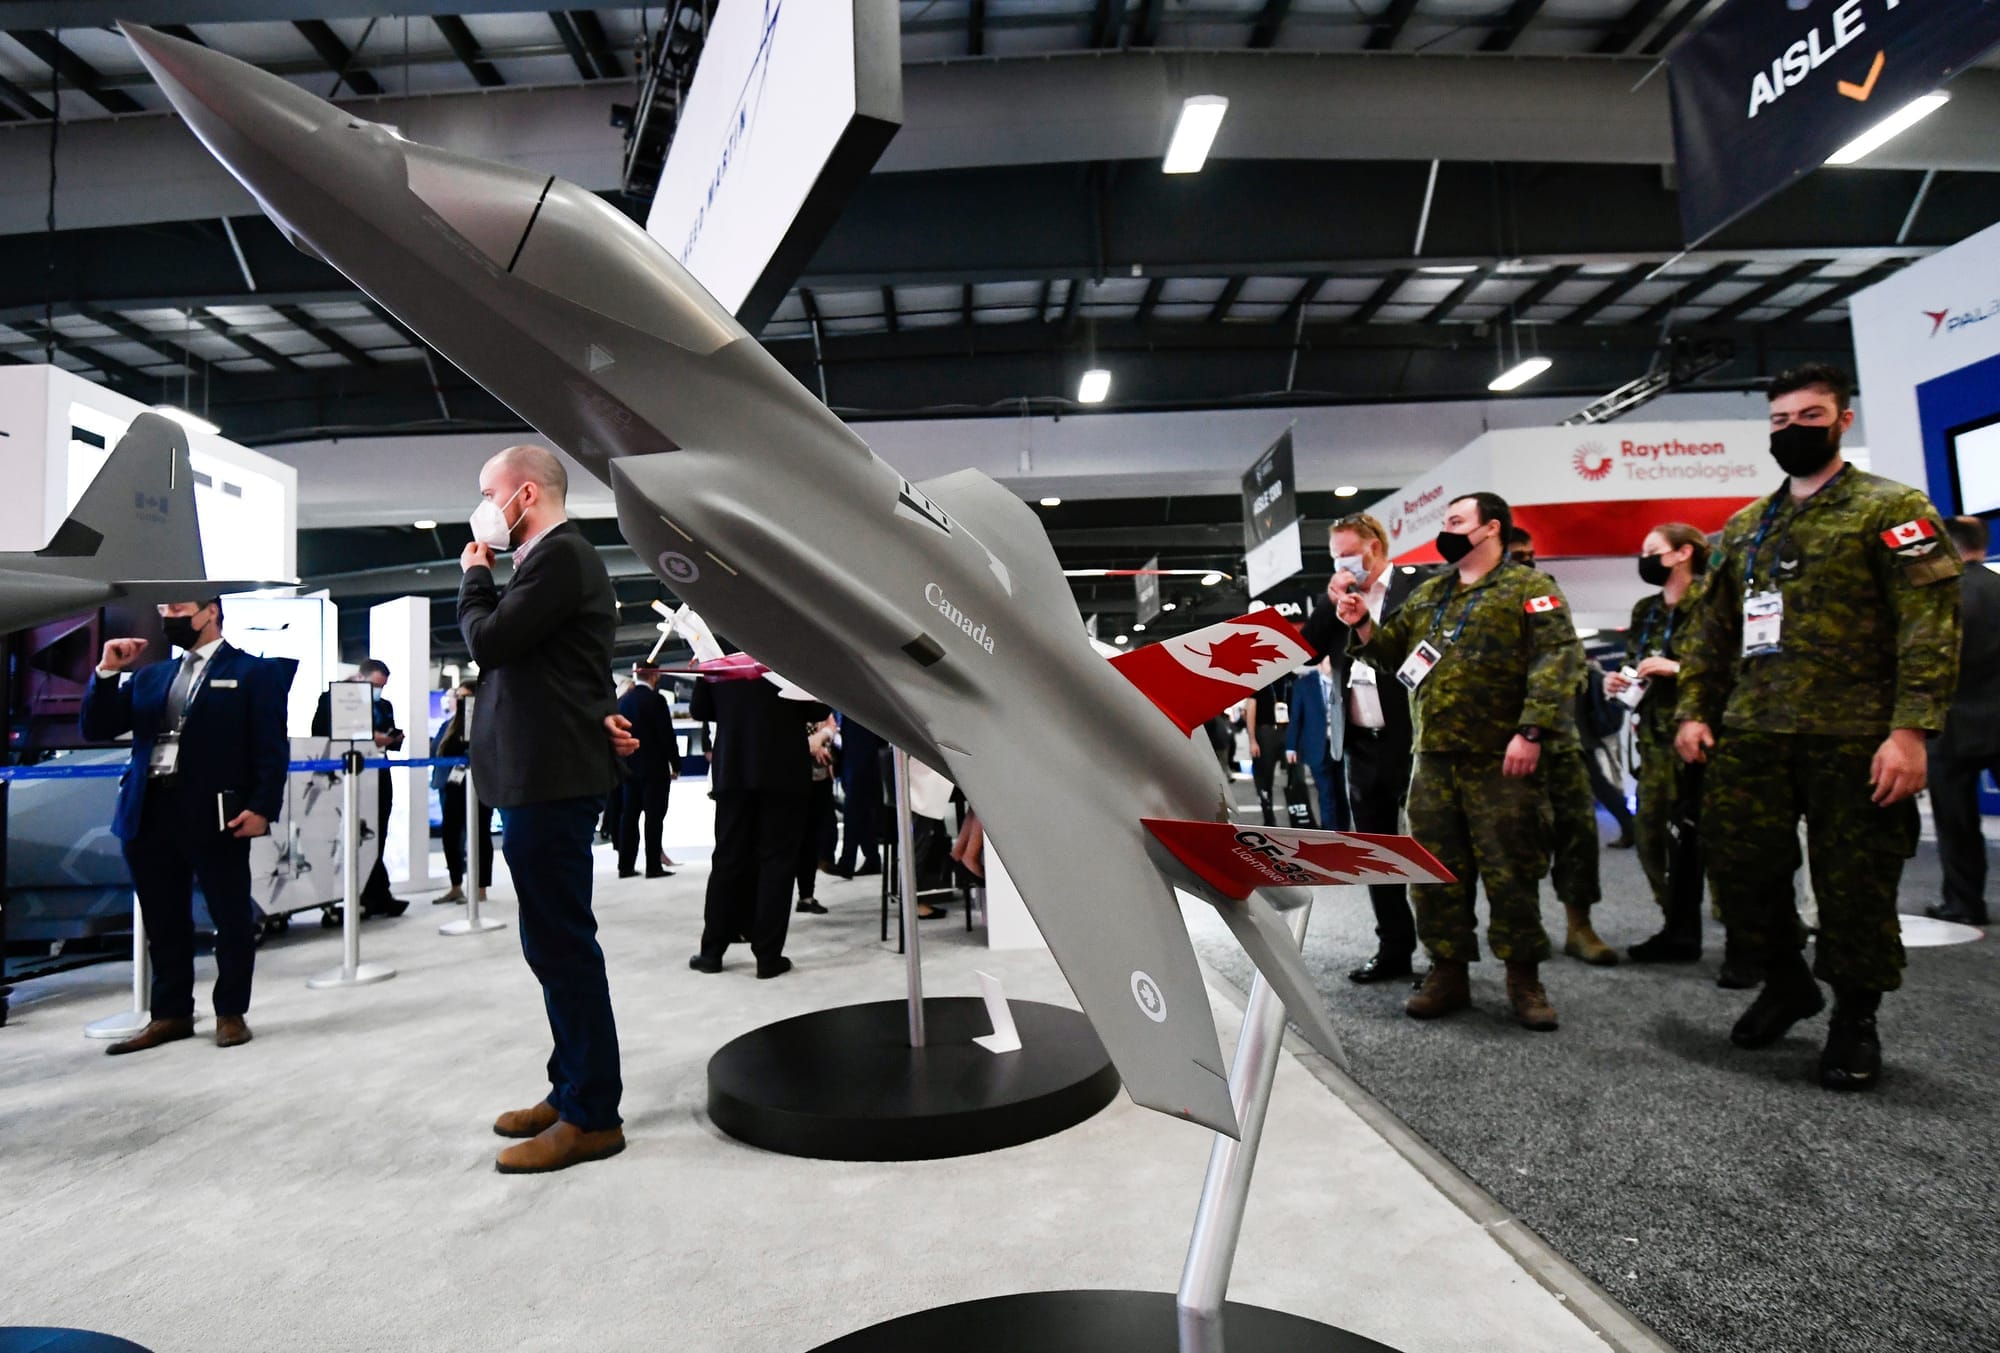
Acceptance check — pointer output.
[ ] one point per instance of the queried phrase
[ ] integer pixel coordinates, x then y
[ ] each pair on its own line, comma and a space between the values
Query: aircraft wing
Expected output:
1111, 919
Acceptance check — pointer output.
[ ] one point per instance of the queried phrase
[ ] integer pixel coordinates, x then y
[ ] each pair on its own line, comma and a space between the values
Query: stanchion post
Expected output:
1218, 1220
128, 1022
352, 972
906, 883
472, 923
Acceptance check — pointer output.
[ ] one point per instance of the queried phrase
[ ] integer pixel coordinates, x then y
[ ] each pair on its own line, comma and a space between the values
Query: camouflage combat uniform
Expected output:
1573, 827
1657, 630
1510, 658
1869, 642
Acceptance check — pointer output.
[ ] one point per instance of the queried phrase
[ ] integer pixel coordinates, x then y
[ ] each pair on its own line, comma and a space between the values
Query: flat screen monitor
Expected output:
1975, 464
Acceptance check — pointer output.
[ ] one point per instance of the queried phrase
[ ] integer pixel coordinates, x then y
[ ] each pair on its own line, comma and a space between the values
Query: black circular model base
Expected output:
1090, 1322
845, 1084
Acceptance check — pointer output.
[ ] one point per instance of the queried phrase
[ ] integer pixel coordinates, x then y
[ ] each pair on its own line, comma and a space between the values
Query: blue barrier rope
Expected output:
112, 770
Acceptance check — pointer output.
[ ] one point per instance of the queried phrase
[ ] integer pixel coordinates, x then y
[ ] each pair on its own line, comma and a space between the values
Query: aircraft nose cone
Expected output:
224, 100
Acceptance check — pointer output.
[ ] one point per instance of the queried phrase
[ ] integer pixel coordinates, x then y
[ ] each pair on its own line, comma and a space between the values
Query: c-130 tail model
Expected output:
935, 614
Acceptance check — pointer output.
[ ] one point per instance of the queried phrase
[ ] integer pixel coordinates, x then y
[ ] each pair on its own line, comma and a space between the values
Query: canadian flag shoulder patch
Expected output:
1536, 605
1909, 533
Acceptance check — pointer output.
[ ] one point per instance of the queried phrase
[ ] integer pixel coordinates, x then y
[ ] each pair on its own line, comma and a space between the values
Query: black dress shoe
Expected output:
773, 967
1956, 915
1852, 1059
1739, 972
810, 906
659, 873
628, 873
1779, 1006
1380, 968
1624, 841
705, 963
388, 906
1665, 948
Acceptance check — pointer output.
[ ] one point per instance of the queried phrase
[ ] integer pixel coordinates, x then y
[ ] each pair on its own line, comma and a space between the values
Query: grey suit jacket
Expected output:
1973, 726
543, 644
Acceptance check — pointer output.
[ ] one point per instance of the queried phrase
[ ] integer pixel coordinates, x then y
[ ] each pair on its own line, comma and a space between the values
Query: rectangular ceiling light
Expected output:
1201, 118
1520, 375
1889, 128
1094, 386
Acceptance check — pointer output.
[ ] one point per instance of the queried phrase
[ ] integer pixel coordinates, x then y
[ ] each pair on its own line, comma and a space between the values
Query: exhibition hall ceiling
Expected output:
1301, 267
1405, 195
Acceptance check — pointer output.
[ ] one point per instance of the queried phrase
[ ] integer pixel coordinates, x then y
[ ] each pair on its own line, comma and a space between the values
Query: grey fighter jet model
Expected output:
132, 537
937, 614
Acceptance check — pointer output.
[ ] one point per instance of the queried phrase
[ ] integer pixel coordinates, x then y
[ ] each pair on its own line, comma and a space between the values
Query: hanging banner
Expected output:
1763, 92
1271, 518
1146, 585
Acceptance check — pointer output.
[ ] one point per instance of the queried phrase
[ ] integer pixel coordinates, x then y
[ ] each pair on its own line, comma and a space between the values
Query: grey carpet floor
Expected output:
1721, 1195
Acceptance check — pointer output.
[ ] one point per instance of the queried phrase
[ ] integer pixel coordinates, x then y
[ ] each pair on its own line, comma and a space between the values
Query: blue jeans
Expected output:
548, 852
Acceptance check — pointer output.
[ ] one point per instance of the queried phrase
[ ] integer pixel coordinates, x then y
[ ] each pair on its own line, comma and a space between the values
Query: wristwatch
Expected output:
1532, 732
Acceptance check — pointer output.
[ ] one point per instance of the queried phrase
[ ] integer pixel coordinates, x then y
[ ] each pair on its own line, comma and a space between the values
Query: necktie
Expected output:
183, 687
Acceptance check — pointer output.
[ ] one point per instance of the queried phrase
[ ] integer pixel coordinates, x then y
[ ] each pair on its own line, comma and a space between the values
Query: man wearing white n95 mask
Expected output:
539, 754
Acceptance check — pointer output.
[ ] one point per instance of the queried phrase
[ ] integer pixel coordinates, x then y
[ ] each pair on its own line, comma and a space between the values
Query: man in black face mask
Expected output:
1487, 651
1824, 651
208, 773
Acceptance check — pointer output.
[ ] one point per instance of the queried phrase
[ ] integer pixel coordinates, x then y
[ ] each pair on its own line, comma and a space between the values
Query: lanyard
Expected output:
1771, 515
1652, 619
1437, 620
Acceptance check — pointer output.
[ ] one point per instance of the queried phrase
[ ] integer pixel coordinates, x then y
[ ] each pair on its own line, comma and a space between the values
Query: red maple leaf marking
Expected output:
1241, 654
1340, 857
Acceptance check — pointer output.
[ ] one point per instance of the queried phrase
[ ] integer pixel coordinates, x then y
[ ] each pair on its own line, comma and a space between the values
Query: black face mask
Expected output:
1802, 451
1654, 570
1454, 545
180, 630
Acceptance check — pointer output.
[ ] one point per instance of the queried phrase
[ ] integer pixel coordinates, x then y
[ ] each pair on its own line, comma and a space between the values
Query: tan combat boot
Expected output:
1531, 1004
1448, 988
1582, 941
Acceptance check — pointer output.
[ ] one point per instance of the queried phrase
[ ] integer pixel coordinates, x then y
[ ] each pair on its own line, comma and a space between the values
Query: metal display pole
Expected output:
128, 1022
472, 923
1218, 1221
906, 882
352, 972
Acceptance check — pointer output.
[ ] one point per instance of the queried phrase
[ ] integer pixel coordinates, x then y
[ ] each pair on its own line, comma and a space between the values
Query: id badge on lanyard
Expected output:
166, 756
1419, 664
1763, 622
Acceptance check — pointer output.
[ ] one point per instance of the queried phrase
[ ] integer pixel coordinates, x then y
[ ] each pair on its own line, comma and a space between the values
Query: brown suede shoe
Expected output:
231, 1031
1448, 988
158, 1032
526, 1122
1531, 1004
558, 1148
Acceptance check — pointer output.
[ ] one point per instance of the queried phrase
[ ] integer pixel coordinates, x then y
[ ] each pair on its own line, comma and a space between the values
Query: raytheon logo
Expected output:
1592, 461
944, 607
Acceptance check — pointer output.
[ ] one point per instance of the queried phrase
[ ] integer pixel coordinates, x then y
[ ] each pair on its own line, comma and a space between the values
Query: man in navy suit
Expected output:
207, 774
1314, 741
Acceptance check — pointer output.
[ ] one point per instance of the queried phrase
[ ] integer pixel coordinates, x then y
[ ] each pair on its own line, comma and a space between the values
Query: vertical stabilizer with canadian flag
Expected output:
1194, 677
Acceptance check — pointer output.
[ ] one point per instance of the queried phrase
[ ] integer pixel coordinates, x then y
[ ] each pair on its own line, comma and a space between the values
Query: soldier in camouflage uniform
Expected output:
1576, 845
1674, 558
1493, 661
1825, 649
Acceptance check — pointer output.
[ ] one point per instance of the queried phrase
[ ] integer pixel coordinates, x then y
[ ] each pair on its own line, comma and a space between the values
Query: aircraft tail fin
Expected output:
1194, 677
1268, 940
137, 517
